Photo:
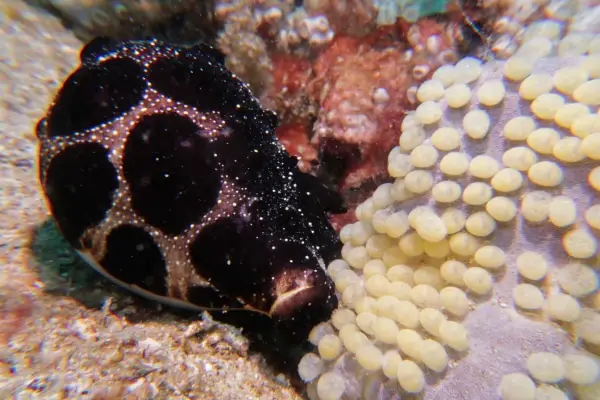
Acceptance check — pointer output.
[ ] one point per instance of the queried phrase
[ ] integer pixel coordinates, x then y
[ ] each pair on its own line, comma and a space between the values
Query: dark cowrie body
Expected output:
163, 171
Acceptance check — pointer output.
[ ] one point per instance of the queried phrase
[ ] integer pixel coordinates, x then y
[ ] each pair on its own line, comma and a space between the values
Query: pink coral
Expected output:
363, 88
361, 91
287, 92
354, 91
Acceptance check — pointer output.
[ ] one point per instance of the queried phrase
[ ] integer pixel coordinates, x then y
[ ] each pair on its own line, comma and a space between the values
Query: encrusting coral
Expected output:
484, 249
356, 91
362, 86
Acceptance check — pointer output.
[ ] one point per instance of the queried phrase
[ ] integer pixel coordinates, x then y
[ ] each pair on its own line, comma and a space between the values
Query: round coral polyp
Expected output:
487, 257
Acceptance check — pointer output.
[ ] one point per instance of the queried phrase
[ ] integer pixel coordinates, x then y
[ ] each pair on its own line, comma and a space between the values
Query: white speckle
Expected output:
380, 96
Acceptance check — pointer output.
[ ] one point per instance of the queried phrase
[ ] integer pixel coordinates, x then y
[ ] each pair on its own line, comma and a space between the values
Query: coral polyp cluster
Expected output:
490, 226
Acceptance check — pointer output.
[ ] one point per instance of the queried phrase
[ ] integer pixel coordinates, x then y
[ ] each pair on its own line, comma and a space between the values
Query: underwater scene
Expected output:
300, 199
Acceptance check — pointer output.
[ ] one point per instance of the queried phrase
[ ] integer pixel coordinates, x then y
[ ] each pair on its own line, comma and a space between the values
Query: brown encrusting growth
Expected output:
363, 88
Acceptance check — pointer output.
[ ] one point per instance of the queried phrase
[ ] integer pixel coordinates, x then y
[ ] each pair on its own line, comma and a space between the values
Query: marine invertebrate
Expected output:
70, 343
163, 171
515, 22
483, 250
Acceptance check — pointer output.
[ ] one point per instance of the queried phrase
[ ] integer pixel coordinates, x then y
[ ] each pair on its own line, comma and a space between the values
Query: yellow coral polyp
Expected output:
477, 231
